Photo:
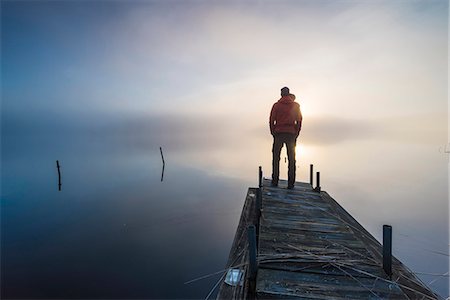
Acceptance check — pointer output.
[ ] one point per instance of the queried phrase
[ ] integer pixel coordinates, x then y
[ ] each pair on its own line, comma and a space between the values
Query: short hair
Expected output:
285, 91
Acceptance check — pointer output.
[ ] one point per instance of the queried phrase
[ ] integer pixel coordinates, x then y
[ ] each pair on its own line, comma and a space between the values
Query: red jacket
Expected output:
286, 116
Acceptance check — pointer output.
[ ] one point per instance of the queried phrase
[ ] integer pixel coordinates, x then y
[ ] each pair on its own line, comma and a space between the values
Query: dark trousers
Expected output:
278, 140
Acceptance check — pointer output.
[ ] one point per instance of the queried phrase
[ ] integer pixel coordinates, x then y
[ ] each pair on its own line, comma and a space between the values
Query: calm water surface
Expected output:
116, 231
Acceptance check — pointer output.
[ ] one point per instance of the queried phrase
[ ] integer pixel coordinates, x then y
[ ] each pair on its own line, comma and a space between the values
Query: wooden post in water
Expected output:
387, 249
162, 156
164, 164
59, 175
311, 175
251, 231
317, 189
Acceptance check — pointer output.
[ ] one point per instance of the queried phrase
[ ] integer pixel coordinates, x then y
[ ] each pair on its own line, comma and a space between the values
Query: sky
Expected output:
380, 58
203, 70
199, 78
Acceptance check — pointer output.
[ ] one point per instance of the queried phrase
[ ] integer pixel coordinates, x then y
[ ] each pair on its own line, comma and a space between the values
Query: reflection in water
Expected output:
186, 227
173, 232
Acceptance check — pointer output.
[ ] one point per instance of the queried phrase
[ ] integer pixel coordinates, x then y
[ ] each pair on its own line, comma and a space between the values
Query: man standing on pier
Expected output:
285, 126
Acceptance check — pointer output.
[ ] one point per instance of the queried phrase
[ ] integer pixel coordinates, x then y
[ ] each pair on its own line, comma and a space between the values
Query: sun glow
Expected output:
300, 151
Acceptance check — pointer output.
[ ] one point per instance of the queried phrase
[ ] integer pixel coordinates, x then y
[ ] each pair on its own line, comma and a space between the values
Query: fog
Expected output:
101, 86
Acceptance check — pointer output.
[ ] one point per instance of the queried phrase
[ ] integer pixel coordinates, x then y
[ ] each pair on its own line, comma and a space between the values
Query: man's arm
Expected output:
272, 120
299, 119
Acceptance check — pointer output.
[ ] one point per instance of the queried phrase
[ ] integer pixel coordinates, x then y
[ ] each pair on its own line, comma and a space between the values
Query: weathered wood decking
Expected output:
309, 247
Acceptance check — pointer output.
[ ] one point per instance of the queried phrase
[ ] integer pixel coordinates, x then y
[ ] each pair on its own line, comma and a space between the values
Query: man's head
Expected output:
285, 91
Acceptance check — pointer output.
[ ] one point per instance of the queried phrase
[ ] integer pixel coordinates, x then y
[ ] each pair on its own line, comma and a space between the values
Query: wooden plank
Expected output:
309, 238
281, 199
303, 217
323, 268
409, 283
320, 229
309, 247
284, 183
288, 227
303, 283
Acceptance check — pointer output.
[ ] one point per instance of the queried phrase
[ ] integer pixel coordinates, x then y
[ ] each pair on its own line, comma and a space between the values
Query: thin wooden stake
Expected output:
59, 175
162, 156
164, 164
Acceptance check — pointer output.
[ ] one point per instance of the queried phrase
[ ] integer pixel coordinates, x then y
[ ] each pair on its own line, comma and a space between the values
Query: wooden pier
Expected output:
309, 247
